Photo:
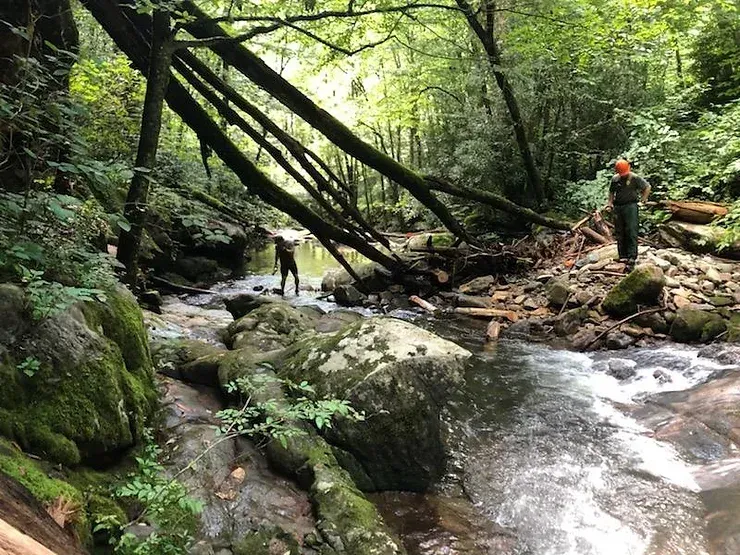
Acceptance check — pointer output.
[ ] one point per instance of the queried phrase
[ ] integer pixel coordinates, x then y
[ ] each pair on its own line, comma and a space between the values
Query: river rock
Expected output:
400, 375
621, 369
471, 301
478, 286
618, 340
655, 321
373, 277
569, 322
583, 339
724, 353
692, 325
662, 376
92, 389
641, 287
558, 290
348, 295
188, 360
241, 496
243, 304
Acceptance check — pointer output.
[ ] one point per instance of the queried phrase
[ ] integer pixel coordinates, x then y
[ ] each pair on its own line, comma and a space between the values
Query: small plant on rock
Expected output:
166, 507
263, 416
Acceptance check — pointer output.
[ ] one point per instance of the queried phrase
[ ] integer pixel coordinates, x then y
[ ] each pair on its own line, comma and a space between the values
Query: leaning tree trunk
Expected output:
129, 39
252, 67
135, 210
496, 201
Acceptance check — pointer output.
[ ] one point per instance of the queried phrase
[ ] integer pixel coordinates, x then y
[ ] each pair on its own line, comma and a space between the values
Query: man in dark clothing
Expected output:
285, 253
625, 191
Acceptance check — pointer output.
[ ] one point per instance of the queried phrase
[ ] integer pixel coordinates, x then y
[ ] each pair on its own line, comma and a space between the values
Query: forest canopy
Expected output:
357, 117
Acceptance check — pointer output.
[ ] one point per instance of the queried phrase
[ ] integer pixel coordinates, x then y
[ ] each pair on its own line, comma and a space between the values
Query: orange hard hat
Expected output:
622, 167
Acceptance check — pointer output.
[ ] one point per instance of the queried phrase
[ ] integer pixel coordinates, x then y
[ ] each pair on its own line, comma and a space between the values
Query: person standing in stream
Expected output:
625, 192
285, 253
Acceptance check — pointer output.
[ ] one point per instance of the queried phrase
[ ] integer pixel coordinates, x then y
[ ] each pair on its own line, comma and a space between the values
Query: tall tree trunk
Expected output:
252, 67
135, 210
490, 45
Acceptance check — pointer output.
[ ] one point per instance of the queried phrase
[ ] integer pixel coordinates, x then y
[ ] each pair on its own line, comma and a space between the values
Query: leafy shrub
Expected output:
165, 505
274, 420
48, 243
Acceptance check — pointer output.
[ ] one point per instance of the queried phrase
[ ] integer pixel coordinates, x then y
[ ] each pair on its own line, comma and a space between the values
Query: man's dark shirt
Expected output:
627, 188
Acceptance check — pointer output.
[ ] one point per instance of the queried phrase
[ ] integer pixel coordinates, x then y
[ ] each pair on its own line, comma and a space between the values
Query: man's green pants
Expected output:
625, 226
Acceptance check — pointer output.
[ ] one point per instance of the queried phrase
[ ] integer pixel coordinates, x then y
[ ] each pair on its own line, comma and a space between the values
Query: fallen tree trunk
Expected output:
426, 305
257, 71
495, 201
695, 212
595, 237
296, 149
124, 32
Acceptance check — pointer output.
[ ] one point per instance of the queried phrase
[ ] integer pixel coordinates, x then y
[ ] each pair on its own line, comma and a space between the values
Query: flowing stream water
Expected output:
547, 457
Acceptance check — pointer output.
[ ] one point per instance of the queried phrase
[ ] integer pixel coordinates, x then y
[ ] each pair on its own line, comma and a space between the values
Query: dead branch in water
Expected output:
623, 321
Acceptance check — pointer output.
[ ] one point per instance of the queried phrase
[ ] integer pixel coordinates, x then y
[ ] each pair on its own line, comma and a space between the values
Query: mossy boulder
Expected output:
400, 375
422, 241
348, 522
692, 325
641, 287
92, 387
558, 291
243, 304
271, 326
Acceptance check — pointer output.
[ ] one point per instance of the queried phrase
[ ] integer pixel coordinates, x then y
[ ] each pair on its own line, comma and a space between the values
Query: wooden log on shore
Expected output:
595, 237
695, 212
487, 313
426, 305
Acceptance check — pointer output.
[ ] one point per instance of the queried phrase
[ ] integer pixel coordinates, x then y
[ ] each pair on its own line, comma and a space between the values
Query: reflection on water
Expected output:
312, 259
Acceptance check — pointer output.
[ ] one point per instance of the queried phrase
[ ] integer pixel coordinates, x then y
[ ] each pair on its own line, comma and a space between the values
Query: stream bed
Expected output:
548, 456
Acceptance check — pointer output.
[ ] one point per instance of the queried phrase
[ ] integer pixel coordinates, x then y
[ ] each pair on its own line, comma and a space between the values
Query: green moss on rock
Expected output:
267, 542
691, 325
94, 388
641, 287
45, 489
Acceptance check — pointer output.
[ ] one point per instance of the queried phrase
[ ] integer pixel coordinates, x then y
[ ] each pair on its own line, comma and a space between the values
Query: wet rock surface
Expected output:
240, 493
400, 375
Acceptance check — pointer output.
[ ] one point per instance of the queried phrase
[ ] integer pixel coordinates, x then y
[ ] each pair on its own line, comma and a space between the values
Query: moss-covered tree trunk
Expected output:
158, 78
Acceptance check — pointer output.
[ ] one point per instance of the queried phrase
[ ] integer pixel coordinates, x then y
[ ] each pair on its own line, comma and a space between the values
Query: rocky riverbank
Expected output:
586, 303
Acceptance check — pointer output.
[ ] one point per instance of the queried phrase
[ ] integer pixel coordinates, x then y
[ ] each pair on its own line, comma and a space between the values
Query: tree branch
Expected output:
335, 14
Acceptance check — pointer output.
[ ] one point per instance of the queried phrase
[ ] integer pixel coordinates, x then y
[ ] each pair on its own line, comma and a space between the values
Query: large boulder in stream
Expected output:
398, 374
76, 386
271, 326
641, 287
